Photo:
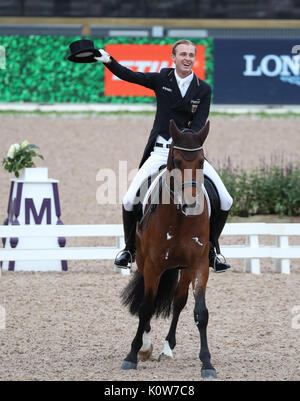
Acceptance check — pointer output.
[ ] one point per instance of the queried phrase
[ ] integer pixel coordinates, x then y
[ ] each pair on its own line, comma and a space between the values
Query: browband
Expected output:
188, 150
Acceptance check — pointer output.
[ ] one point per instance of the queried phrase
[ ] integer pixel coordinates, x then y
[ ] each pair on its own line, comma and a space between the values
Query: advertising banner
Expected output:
143, 58
27, 77
256, 71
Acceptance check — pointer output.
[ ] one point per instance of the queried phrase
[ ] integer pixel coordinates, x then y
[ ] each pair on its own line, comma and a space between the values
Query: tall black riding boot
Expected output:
128, 254
214, 261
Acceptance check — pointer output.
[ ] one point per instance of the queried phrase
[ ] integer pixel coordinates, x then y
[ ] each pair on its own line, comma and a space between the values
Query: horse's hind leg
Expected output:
146, 350
201, 320
179, 303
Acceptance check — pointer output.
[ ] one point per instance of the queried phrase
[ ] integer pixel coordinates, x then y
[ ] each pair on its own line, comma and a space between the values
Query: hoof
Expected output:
208, 374
166, 353
164, 357
127, 365
145, 355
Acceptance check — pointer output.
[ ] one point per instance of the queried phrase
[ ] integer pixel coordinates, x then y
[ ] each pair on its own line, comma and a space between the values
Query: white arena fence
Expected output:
251, 251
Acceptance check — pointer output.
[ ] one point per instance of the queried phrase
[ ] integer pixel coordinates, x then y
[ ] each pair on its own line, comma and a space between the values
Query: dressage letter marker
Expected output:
33, 200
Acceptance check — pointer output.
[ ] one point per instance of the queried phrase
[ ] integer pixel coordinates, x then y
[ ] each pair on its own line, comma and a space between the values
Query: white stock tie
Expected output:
181, 87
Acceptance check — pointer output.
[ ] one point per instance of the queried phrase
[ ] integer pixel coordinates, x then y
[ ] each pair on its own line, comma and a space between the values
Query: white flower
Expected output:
24, 144
13, 150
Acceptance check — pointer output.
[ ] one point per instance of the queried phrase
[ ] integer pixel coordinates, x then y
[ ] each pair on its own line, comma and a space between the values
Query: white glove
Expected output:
105, 57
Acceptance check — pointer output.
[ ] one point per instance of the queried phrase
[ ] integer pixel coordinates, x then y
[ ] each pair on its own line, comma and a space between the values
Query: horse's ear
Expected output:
174, 131
204, 132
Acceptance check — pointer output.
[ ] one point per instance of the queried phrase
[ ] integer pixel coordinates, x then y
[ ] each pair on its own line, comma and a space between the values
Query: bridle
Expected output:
176, 193
187, 149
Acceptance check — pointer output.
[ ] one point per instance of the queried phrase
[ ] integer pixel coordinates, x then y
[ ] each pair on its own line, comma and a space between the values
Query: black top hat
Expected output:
83, 51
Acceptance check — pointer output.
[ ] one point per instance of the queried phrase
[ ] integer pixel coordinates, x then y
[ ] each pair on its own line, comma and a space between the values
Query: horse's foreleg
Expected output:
146, 350
146, 311
201, 320
179, 303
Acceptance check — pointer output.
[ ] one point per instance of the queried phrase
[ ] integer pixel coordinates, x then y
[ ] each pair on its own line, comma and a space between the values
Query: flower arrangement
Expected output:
20, 156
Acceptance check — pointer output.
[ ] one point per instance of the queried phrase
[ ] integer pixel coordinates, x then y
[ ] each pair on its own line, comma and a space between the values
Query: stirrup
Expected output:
124, 269
224, 262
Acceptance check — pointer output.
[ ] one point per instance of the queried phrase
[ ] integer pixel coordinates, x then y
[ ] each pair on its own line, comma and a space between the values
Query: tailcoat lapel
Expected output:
177, 99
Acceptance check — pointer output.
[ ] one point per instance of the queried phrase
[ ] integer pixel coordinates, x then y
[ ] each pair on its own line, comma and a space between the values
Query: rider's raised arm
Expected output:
140, 78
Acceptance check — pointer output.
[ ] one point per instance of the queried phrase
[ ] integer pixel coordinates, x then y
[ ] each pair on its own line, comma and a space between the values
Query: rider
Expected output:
185, 98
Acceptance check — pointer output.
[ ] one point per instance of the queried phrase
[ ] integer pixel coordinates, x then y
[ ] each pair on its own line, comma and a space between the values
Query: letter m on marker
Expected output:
37, 217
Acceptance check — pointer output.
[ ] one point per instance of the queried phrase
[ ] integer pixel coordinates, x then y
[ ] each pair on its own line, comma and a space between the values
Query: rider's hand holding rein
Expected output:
105, 57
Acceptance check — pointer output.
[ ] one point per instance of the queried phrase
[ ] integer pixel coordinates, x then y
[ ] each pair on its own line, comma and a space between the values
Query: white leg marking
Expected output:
146, 350
166, 352
146, 342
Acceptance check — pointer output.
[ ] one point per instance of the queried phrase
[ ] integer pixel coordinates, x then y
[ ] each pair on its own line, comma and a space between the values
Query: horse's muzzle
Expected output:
192, 205
191, 183
192, 209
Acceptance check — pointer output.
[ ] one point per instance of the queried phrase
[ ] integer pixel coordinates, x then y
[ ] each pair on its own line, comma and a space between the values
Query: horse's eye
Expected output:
177, 163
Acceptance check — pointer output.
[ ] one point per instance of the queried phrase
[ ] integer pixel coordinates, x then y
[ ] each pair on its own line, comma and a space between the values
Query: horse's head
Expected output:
185, 164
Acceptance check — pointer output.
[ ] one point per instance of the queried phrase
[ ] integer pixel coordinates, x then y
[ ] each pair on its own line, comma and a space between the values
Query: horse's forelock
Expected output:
188, 139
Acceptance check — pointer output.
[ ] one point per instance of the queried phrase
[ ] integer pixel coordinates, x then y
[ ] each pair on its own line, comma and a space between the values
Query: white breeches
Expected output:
159, 157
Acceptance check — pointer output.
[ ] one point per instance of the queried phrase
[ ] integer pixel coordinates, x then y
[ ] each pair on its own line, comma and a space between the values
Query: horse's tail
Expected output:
133, 294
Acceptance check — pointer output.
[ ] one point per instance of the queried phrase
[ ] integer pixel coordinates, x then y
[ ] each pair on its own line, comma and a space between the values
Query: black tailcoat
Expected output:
190, 111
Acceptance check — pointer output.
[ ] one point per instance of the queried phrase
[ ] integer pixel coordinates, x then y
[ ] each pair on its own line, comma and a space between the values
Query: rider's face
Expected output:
184, 59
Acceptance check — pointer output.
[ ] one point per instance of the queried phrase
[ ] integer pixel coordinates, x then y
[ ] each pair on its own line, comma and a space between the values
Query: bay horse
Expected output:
172, 252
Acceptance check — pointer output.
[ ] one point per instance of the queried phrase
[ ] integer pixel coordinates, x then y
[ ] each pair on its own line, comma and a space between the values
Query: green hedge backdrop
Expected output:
37, 70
